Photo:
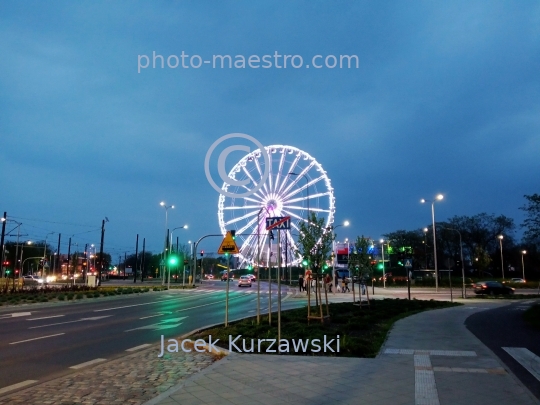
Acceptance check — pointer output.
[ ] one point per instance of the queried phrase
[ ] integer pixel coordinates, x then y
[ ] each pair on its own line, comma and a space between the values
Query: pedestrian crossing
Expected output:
529, 360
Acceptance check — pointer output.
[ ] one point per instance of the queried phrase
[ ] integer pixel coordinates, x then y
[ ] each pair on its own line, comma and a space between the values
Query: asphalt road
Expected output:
42, 342
505, 327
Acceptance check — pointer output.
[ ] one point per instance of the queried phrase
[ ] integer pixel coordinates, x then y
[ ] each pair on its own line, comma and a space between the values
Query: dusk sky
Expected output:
445, 99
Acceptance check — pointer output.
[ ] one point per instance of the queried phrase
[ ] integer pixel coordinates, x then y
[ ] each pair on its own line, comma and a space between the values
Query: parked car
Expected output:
244, 281
518, 280
492, 288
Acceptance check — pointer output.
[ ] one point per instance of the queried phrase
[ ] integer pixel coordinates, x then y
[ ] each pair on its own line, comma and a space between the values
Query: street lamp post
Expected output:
523, 252
170, 246
501, 237
425, 246
383, 269
439, 197
462, 264
164, 205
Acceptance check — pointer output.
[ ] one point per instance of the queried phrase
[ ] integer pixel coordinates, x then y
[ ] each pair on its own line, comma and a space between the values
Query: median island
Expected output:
351, 331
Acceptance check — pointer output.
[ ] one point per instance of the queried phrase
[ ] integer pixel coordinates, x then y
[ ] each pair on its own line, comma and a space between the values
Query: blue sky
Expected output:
445, 100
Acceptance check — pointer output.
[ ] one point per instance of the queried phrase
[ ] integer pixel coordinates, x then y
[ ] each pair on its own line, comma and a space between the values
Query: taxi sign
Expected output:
228, 245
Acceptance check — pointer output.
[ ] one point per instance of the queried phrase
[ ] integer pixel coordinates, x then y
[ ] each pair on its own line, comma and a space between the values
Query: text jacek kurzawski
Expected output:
239, 345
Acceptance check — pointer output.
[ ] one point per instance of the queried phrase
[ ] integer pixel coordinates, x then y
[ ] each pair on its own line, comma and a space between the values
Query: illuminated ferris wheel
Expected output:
296, 183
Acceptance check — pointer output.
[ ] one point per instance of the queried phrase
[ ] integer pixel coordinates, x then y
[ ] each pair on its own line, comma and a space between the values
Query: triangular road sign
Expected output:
228, 245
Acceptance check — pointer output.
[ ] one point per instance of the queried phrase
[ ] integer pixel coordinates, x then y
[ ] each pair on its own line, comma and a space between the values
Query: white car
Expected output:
244, 280
518, 280
28, 279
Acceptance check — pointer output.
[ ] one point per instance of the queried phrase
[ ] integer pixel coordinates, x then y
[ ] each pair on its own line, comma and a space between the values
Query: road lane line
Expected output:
16, 386
133, 349
38, 338
15, 315
45, 317
529, 360
151, 316
135, 305
95, 318
88, 363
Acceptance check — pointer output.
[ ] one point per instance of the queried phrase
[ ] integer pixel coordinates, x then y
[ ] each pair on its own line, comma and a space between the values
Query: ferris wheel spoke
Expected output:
242, 207
248, 174
253, 200
305, 186
292, 214
311, 196
258, 166
280, 170
291, 169
232, 221
249, 224
299, 176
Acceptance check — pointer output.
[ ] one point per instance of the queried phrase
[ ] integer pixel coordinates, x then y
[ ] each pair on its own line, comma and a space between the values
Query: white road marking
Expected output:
45, 317
150, 316
165, 324
16, 386
88, 363
95, 318
133, 349
135, 305
526, 358
452, 353
38, 338
15, 315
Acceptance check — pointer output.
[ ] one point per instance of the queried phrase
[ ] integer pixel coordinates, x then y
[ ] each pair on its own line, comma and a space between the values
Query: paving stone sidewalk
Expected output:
133, 379
428, 359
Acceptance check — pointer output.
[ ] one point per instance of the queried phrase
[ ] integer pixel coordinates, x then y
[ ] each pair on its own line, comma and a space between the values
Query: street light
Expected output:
438, 197
523, 252
334, 255
501, 237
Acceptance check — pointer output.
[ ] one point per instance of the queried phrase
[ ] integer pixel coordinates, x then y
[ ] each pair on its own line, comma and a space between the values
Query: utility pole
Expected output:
57, 258
101, 251
136, 259
125, 256
4, 220
68, 259
142, 259
85, 278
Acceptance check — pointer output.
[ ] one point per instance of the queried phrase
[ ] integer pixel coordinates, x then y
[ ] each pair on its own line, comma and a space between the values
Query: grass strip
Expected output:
361, 331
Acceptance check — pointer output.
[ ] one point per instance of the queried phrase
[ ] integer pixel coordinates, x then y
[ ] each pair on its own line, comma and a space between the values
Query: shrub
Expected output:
79, 296
70, 296
61, 297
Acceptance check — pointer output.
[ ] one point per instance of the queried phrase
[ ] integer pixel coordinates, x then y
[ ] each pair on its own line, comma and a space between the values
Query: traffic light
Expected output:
233, 233
305, 262
202, 253
325, 267
173, 260
250, 267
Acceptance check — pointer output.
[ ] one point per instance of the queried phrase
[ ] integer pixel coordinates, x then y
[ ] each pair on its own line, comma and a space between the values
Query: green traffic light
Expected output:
173, 260
305, 262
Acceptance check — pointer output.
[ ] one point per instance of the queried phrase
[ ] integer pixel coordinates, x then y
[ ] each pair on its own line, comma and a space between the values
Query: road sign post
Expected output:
278, 223
408, 267
227, 247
